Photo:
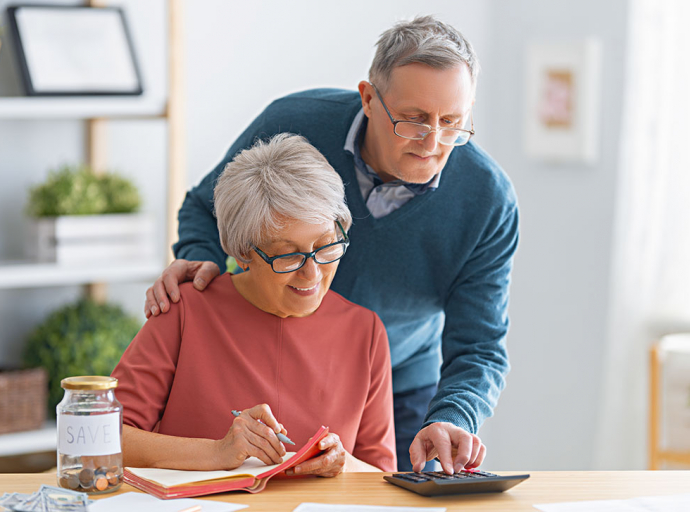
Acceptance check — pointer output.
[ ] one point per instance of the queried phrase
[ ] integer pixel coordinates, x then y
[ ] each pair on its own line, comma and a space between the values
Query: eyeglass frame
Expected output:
431, 129
270, 259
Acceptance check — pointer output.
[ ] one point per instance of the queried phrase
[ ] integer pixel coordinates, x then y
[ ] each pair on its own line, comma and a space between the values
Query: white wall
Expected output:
241, 55
546, 418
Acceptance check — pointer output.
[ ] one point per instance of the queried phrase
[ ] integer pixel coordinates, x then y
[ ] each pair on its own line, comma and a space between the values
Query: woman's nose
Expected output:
310, 269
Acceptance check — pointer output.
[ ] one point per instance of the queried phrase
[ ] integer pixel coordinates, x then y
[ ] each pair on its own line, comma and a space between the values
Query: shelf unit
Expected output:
77, 107
96, 111
32, 441
20, 274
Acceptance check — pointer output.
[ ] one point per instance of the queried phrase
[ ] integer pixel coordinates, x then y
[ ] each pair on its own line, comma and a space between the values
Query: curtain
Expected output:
650, 280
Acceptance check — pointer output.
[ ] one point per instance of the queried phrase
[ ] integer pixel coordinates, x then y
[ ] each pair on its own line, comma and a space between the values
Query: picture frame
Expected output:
562, 96
64, 50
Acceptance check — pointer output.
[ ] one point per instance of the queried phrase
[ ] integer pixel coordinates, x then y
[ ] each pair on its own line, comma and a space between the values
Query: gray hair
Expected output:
282, 178
423, 40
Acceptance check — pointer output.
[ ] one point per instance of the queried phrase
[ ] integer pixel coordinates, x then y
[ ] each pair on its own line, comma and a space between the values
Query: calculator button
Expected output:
438, 475
411, 477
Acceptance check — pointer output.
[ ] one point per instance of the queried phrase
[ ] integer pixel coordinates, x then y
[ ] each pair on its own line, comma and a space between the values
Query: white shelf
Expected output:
36, 275
80, 107
33, 441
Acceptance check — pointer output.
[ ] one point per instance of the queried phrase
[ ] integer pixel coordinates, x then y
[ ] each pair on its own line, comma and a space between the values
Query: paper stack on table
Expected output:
139, 501
325, 507
673, 503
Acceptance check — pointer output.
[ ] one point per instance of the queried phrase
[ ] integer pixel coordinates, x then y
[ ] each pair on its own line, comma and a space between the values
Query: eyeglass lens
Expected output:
418, 131
327, 254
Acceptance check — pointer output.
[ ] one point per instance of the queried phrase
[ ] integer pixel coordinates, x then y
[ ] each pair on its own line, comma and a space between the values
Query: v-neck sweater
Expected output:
436, 270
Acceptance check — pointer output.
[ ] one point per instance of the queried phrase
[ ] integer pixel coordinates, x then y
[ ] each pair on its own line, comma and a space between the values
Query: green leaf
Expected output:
84, 338
76, 190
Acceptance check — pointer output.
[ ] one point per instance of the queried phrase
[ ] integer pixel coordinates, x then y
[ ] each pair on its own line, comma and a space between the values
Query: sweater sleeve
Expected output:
475, 360
375, 442
198, 237
146, 370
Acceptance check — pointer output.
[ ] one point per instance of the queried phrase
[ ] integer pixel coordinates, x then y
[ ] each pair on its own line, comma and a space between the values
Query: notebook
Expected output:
251, 476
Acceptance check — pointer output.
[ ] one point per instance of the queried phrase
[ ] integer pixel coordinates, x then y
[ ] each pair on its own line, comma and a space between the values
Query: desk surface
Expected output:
371, 489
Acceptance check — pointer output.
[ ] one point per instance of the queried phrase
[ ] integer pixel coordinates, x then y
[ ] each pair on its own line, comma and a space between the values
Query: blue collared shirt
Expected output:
381, 198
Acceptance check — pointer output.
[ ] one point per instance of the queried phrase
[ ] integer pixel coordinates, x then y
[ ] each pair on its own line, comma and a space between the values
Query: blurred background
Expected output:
601, 272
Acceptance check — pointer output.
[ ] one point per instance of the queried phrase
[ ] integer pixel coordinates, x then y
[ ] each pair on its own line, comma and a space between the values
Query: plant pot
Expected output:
83, 239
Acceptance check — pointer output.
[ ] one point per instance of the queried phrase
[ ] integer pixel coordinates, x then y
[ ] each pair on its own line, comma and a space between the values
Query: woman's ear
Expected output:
244, 266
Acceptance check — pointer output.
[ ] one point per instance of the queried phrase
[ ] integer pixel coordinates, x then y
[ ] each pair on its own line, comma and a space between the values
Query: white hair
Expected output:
276, 180
423, 40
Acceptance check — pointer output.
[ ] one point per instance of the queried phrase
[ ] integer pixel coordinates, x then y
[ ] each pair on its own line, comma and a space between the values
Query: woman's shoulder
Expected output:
220, 289
335, 304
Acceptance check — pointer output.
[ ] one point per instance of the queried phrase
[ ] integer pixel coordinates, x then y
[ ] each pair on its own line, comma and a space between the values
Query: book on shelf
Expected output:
251, 476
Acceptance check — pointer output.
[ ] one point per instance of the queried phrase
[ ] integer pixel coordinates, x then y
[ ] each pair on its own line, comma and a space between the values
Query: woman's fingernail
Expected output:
199, 282
154, 310
298, 469
162, 306
289, 472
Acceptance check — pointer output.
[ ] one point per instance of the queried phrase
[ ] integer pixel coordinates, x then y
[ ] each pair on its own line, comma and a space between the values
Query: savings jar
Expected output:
89, 424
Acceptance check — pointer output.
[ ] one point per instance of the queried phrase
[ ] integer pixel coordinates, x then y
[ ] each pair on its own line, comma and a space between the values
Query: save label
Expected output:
96, 434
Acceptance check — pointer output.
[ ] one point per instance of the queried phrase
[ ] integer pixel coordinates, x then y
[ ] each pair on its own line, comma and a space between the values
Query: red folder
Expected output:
236, 482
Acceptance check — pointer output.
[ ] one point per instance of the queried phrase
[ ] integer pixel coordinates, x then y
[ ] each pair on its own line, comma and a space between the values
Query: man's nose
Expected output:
431, 141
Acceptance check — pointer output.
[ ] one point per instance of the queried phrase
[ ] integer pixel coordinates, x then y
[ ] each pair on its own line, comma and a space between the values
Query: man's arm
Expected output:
200, 257
475, 360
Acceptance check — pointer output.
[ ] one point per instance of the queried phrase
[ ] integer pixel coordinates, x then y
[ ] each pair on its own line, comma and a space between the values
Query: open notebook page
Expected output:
172, 477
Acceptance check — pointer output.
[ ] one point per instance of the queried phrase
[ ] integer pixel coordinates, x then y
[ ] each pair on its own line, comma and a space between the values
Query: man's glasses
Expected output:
419, 131
285, 263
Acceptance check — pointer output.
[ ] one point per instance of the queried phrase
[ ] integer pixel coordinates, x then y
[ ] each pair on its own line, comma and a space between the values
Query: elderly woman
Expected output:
272, 341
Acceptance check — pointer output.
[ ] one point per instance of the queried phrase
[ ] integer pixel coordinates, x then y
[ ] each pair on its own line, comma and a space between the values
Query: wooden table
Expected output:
371, 489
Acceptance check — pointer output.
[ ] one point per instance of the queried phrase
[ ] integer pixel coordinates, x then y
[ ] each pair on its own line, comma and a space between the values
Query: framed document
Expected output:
73, 50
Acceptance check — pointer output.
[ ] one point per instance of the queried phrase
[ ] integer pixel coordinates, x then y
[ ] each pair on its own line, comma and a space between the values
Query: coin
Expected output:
101, 483
112, 478
86, 477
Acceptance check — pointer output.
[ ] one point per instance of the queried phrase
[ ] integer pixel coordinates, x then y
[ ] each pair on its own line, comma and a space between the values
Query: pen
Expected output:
282, 437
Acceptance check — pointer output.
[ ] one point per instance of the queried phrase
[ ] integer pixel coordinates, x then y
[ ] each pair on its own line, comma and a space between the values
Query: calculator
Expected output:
438, 483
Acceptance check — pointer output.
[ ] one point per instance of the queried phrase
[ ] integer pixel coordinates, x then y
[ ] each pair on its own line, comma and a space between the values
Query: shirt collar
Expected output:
352, 145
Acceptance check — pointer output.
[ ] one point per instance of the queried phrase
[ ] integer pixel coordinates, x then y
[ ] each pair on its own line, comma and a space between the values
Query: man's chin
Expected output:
419, 175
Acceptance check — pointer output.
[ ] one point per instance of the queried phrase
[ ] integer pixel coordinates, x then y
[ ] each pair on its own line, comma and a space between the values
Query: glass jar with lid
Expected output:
89, 423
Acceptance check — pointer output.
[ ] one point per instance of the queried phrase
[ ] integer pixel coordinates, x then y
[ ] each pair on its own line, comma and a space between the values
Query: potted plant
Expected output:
79, 217
84, 338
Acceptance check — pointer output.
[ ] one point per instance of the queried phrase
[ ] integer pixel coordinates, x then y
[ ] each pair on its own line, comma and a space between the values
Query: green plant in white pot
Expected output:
80, 217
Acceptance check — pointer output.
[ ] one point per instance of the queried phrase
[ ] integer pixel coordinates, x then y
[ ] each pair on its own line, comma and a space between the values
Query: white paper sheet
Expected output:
325, 507
171, 477
136, 501
673, 503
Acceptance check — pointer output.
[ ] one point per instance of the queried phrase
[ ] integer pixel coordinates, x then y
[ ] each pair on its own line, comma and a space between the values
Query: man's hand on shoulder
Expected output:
454, 447
166, 287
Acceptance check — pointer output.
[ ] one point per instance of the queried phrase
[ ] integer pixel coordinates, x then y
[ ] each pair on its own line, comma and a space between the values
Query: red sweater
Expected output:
214, 352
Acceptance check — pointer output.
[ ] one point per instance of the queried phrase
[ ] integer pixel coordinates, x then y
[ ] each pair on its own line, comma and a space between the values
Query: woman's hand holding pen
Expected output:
252, 434
330, 463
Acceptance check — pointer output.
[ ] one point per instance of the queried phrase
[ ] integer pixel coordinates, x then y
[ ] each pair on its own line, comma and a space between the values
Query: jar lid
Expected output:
89, 382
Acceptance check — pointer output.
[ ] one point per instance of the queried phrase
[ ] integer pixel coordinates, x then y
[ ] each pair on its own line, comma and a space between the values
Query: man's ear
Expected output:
366, 92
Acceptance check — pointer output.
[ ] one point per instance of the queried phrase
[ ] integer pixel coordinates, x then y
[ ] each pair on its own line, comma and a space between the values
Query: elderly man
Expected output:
434, 233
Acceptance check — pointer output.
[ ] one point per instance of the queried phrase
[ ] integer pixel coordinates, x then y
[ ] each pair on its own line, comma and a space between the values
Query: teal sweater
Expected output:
436, 270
